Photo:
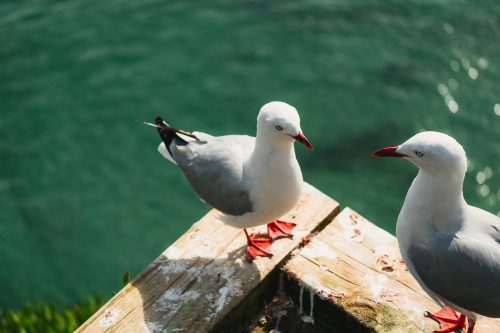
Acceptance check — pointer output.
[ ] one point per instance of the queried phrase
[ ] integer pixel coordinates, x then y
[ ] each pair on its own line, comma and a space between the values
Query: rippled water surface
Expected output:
83, 194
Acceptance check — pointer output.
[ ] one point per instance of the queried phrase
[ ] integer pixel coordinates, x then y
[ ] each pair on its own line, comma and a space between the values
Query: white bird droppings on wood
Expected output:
110, 317
310, 319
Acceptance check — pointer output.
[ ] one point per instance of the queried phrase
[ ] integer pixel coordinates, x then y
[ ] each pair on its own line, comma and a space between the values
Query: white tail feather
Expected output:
162, 149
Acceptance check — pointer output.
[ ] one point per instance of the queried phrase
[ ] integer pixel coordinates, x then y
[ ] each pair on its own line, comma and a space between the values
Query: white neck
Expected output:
265, 148
433, 198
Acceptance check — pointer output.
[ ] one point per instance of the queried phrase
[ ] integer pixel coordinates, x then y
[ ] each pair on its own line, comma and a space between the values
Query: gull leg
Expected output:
280, 229
257, 247
448, 319
472, 323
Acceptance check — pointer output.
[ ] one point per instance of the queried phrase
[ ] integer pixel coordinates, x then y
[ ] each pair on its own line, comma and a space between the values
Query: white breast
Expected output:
276, 189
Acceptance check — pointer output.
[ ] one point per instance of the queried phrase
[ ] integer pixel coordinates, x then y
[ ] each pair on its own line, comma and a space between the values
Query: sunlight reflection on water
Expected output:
496, 109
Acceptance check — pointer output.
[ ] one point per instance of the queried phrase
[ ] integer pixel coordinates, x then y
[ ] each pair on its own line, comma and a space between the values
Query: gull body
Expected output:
251, 180
451, 248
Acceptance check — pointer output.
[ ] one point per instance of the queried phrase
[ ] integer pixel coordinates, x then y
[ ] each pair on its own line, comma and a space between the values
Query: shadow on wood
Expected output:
202, 282
194, 293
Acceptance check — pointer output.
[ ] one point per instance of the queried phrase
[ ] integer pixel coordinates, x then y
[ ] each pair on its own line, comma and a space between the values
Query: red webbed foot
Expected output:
449, 320
445, 315
280, 229
257, 246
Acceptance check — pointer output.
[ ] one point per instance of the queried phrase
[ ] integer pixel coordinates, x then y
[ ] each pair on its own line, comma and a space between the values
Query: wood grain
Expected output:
359, 282
202, 282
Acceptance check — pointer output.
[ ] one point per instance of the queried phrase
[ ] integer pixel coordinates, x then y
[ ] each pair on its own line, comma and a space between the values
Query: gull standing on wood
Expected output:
251, 180
451, 249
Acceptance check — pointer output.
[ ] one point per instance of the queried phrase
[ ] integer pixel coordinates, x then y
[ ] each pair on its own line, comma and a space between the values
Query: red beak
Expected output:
302, 138
388, 152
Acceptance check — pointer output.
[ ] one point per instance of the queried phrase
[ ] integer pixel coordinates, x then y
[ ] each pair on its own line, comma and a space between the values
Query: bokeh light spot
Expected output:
448, 28
465, 63
453, 106
496, 109
480, 177
442, 89
473, 73
484, 190
482, 63
488, 172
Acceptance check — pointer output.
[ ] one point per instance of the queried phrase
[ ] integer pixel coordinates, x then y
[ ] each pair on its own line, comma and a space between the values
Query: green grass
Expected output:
48, 318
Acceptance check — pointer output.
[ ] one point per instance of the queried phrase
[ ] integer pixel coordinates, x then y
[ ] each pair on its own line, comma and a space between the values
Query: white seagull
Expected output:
451, 248
251, 180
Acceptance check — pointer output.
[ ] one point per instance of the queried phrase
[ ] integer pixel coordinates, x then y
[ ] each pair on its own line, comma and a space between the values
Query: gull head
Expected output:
433, 152
280, 123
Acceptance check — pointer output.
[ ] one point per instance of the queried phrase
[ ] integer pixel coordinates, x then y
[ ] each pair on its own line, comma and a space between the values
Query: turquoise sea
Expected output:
84, 196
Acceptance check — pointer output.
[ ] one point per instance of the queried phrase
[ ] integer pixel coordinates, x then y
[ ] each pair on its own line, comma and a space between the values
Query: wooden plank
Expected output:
359, 283
202, 282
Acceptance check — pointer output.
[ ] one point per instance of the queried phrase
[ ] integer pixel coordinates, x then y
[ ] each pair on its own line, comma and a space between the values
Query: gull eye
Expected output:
419, 153
278, 127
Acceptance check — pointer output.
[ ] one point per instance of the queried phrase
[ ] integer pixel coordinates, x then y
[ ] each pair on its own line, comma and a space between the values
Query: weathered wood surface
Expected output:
359, 282
202, 282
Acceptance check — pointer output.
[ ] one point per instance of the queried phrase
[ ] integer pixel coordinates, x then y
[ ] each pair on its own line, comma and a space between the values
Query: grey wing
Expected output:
463, 270
491, 225
203, 136
214, 168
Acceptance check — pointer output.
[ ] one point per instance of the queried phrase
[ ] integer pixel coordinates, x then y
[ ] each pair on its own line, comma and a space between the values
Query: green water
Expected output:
84, 196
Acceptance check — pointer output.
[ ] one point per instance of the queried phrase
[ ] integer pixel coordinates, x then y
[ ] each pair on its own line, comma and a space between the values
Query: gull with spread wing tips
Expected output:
451, 248
251, 180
